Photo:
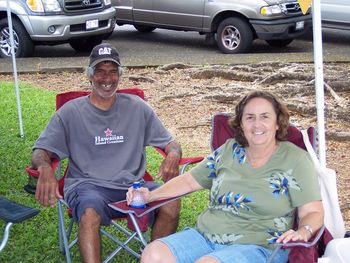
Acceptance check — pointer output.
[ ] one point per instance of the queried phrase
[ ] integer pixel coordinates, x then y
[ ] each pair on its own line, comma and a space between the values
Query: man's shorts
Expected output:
87, 195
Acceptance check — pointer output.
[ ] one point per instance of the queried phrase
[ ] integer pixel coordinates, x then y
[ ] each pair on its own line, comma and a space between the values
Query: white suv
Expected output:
335, 14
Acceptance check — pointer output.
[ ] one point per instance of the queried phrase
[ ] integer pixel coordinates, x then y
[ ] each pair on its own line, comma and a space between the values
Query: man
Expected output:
104, 136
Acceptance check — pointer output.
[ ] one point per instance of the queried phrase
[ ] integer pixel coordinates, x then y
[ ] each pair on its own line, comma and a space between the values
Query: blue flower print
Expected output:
281, 181
238, 152
236, 201
274, 235
213, 159
281, 225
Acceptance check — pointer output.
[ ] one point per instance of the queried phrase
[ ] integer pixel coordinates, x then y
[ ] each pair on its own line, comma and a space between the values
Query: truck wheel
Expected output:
144, 29
279, 42
85, 44
234, 35
23, 44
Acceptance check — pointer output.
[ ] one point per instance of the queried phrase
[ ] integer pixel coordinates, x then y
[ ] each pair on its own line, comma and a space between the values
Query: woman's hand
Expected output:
291, 235
144, 191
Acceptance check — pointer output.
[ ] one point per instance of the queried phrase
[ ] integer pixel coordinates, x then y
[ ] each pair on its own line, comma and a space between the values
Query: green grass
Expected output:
36, 240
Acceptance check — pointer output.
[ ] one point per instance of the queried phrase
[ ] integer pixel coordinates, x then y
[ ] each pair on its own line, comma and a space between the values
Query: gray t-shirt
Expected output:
106, 148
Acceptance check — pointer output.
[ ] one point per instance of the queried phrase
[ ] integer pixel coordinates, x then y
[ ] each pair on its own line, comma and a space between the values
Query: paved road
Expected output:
166, 46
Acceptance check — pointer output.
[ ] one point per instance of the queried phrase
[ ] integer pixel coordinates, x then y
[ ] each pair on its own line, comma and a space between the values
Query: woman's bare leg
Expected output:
157, 252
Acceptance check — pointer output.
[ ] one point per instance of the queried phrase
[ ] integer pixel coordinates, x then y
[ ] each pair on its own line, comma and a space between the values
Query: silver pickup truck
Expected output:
234, 24
81, 23
336, 14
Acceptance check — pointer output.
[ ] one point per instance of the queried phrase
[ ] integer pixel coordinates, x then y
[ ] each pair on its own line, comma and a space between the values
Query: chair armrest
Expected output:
310, 243
32, 172
35, 173
190, 160
297, 244
122, 206
184, 162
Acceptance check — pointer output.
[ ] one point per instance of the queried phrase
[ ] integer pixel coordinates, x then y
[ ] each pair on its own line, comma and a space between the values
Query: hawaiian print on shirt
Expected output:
280, 183
281, 226
108, 138
229, 201
239, 152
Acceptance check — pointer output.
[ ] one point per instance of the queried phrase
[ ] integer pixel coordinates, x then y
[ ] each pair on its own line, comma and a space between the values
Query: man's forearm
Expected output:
41, 158
173, 148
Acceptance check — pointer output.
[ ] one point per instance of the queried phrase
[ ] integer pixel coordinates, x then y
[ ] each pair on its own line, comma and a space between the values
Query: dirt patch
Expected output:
186, 97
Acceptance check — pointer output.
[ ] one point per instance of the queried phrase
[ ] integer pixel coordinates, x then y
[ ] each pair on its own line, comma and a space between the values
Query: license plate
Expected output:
299, 25
91, 24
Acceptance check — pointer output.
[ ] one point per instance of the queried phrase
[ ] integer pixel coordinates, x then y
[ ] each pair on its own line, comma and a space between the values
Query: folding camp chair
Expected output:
12, 212
134, 231
221, 131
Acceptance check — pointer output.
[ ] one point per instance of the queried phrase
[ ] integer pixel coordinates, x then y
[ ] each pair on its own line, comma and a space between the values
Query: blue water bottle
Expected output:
137, 201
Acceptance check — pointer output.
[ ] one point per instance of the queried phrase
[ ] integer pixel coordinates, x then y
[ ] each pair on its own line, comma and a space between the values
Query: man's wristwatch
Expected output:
308, 228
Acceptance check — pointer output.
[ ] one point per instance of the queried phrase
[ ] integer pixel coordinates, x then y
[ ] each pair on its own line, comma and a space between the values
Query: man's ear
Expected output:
89, 72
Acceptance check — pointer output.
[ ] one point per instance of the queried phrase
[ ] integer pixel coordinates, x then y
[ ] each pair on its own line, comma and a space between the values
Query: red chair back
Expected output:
221, 131
64, 97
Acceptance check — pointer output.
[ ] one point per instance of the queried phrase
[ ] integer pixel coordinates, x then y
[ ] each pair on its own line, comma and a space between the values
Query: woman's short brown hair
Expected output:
280, 110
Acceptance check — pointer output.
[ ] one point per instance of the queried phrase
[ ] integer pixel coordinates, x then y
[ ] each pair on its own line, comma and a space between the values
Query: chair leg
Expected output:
273, 254
136, 235
63, 234
6, 235
137, 228
60, 235
122, 245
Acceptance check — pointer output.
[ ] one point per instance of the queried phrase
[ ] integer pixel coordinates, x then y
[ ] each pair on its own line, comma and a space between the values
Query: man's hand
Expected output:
169, 167
47, 191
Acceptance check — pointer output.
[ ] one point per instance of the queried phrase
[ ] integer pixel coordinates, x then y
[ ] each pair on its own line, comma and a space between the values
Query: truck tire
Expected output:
24, 46
85, 44
144, 29
234, 35
279, 42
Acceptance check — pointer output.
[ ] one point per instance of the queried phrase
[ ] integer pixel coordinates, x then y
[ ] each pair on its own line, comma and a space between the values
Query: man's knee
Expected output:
90, 218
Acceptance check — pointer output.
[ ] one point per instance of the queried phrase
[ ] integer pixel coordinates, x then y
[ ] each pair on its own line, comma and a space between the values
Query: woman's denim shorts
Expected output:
189, 245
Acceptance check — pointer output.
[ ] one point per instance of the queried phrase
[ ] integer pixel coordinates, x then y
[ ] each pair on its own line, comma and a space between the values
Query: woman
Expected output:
257, 182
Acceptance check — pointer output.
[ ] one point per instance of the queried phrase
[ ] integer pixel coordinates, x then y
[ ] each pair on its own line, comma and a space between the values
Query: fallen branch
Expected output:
340, 101
224, 74
174, 66
177, 96
338, 136
278, 77
141, 78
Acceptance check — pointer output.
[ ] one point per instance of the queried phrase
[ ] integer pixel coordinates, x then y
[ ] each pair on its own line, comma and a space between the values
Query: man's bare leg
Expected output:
89, 236
167, 220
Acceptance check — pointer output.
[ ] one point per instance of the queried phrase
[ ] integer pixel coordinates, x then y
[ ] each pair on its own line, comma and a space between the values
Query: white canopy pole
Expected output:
18, 99
319, 81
